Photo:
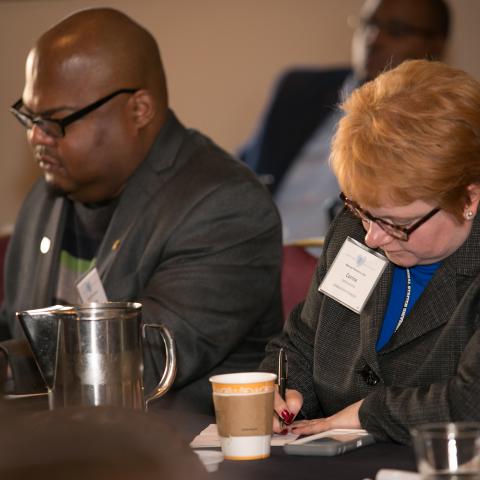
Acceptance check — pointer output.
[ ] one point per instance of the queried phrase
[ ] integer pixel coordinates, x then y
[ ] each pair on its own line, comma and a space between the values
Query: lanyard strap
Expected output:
407, 299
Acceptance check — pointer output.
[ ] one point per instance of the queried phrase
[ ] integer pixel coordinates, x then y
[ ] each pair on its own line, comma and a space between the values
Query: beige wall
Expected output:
221, 58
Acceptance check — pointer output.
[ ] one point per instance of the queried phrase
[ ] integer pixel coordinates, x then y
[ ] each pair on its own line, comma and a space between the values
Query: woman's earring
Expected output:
468, 215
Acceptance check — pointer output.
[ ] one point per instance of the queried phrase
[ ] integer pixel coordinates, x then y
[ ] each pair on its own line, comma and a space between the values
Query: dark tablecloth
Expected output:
356, 465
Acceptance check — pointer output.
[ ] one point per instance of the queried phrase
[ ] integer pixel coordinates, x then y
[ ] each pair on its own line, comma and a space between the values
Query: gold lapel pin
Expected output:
115, 245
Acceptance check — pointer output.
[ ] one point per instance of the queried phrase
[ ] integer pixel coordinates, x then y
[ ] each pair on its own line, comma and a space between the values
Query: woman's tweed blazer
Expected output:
430, 369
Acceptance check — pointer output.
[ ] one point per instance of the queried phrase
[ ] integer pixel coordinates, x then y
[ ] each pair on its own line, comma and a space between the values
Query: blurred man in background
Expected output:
291, 147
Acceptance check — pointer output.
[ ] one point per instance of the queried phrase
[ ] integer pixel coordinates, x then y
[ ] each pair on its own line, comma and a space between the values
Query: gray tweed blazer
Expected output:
430, 369
195, 238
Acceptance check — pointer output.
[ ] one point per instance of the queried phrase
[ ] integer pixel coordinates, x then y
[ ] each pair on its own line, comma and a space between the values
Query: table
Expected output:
355, 465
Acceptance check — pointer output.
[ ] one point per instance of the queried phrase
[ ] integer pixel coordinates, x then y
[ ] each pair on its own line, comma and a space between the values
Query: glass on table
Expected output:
447, 451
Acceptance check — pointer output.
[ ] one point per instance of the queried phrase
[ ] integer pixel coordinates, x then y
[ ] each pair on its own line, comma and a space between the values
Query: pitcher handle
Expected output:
170, 363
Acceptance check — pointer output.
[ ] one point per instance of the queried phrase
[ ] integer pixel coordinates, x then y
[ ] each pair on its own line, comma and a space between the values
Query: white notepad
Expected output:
209, 438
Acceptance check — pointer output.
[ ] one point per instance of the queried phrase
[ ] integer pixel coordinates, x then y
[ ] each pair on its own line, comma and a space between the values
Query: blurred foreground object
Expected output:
98, 443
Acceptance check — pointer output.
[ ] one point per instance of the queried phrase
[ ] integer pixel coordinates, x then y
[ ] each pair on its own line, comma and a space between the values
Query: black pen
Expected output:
282, 372
282, 379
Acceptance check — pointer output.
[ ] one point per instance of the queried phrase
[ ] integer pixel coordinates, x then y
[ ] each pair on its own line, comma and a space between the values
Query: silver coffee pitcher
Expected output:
92, 354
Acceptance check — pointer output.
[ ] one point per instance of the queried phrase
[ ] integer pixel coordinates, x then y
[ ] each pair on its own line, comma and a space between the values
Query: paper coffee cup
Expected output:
244, 412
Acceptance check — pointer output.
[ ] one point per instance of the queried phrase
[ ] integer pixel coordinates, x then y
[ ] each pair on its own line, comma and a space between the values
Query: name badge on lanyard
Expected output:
353, 275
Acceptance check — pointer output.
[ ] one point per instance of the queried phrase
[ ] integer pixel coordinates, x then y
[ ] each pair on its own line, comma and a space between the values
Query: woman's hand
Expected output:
286, 410
346, 418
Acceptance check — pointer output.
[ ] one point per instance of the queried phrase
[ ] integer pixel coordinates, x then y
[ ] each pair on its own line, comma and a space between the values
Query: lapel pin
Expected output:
45, 245
116, 245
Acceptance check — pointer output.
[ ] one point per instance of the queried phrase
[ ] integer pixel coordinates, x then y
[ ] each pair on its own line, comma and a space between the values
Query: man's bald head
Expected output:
105, 48
94, 55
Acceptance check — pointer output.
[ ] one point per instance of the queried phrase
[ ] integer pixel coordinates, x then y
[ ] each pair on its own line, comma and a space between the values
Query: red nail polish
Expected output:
284, 431
292, 418
286, 416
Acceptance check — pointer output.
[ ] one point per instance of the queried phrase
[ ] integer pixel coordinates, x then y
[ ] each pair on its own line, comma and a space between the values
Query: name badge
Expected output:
353, 275
90, 287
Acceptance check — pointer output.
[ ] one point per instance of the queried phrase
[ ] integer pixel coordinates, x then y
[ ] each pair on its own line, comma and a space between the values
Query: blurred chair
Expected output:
297, 270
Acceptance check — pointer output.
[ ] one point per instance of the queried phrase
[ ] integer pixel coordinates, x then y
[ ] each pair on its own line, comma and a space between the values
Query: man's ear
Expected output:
437, 48
143, 108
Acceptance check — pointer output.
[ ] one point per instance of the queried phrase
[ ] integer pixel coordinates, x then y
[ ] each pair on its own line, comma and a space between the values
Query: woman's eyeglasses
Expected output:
396, 231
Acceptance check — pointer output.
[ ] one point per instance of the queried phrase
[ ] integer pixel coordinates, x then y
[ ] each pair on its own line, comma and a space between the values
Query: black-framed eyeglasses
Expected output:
395, 28
396, 231
55, 127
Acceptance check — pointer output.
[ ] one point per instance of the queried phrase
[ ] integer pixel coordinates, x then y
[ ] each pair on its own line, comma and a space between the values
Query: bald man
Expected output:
154, 212
291, 147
